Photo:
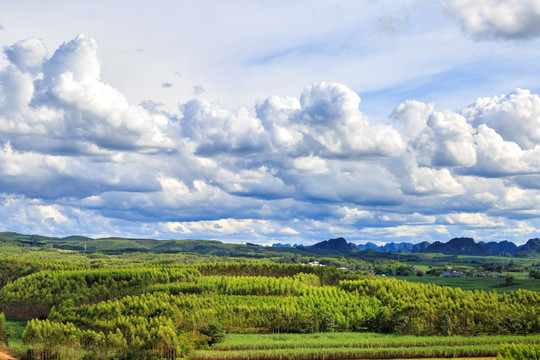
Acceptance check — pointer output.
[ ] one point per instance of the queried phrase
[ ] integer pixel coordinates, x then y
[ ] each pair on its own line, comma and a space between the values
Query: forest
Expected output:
71, 304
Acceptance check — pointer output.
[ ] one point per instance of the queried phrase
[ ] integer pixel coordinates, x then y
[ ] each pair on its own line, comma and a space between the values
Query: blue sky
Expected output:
282, 121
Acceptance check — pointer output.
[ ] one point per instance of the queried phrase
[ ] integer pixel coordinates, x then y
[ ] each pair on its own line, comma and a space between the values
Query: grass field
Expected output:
502, 260
475, 283
15, 329
328, 346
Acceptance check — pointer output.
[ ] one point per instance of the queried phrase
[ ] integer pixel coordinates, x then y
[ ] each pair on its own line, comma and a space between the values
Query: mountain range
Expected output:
455, 246
116, 245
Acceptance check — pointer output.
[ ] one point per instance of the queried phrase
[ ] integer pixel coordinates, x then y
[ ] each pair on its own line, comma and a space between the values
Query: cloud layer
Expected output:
76, 157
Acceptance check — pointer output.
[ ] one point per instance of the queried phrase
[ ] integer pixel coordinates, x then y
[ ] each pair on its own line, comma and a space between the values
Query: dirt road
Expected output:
4, 356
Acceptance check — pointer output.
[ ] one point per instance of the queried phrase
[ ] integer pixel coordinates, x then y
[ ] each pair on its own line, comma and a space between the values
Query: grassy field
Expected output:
472, 283
356, 346
15, 329
502, 260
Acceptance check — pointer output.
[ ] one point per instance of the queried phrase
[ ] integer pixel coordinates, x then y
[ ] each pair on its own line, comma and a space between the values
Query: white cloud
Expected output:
474, 219
516, 116
237, 227
412, 117
27, 55
215, 130
492, 19
74, 152
498, 157
330, 118
425, 180
52, 212
447, 141
313, 165
68, 102
327, 122
275, 112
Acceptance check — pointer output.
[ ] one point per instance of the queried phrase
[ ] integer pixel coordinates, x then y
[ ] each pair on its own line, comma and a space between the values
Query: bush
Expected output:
327, 321
444, 325
215, 331
513, 324
3, 329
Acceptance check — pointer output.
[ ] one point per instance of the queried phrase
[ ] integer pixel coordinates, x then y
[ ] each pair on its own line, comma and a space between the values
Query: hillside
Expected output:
457, 246
530, 249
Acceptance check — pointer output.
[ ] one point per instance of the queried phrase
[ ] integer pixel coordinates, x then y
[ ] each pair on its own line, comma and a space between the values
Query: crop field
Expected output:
475, 283
357, 346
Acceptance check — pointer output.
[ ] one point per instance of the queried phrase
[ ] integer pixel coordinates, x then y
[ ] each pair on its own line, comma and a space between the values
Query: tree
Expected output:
327, 321
3, 329
513, 324
444, 325
509, 280
534, 273
215, 331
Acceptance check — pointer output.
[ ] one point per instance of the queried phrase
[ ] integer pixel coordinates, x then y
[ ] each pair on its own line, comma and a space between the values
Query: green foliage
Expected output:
166, 310
360, 340
214, 331
471, 312
513, 324
15, 328
509, 280
519, 352
35, 295
3, 328
444, 325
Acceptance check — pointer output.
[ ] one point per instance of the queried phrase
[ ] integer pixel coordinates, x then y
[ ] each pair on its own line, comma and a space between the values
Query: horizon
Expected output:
257, 122
306, 242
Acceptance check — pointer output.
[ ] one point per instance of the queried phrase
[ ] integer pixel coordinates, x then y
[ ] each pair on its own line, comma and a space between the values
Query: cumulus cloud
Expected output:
214, 130
497, 19
497, 157
474, 219
425, 180
74, 153
27, 55
67, 101
327, 122
447, 140
516, 116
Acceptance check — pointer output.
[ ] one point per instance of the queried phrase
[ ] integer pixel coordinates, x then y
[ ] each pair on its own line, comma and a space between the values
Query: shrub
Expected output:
444, 325
3, 329
215, 331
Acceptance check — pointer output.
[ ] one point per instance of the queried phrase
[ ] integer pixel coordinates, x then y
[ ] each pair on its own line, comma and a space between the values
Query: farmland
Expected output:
357, 346
476, 283
71, 304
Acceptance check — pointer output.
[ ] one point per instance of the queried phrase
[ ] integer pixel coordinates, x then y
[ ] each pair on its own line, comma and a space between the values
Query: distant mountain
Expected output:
404, 247
339, 244
456, 246
502, 247
530, 249
369, 246
280, 245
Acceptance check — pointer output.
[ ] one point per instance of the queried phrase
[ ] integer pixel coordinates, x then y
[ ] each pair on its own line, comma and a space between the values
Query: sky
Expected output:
271, 121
